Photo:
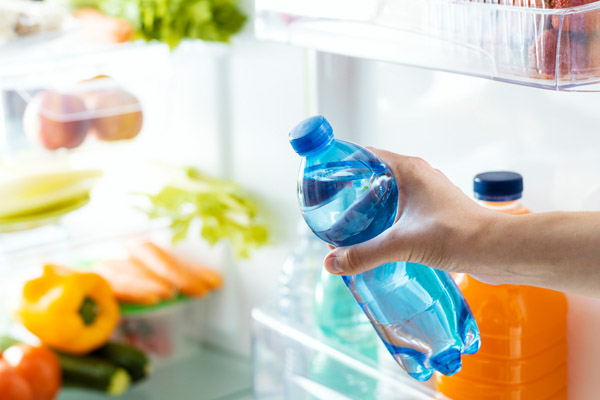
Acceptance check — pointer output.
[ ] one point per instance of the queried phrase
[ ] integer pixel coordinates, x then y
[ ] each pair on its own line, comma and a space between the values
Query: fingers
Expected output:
361, 257
392, 160
398, 160
406, 169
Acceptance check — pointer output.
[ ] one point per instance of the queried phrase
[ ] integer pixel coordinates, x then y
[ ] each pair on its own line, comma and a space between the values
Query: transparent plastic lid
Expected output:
95, 98
63, 116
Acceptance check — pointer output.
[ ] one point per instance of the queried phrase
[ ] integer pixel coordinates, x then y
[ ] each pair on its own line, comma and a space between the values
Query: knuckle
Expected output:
416, 168
418, 163
354, 263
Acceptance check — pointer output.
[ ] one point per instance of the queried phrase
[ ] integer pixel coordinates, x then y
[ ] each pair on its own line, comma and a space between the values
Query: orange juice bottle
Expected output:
523, 329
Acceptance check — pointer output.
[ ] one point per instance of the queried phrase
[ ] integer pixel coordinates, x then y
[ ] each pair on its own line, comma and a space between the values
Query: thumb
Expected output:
361, 257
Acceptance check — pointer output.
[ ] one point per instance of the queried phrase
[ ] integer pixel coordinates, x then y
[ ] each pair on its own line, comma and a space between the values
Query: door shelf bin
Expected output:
555, 49
294, 362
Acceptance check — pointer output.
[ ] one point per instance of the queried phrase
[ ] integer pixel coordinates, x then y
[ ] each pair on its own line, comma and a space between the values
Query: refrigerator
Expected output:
467, 86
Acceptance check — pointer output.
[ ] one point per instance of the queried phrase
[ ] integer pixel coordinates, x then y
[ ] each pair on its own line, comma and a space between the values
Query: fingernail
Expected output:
332, 265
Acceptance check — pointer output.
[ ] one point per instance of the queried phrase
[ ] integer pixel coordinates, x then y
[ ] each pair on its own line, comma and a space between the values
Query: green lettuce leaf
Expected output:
170, 21
225, 212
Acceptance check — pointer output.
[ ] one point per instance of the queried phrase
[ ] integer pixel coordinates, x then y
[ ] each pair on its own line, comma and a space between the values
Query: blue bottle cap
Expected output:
498, 186
311, 134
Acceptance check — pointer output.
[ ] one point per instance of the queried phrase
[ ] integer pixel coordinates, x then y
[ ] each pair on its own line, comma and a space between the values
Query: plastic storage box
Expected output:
25, 23
52, 92
66, 114
169, 332
517, 41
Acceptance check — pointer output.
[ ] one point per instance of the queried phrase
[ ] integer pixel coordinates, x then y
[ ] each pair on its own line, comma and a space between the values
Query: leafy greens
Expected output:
170, 21
225, 213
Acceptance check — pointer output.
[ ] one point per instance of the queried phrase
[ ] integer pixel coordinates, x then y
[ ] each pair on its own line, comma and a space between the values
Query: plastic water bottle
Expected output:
300, 275
338, 317
347, 196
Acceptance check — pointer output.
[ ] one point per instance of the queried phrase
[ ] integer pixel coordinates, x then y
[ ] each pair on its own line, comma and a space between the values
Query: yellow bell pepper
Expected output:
69, 311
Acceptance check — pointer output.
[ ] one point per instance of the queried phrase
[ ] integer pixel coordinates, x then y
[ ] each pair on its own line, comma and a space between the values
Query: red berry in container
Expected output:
543, 57
581, 22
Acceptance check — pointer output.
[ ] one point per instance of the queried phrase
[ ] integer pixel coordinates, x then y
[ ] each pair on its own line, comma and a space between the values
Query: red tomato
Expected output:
12, 385
38, 366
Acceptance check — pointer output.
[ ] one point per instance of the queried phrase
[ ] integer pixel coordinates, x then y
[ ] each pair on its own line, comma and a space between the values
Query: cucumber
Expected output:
133, 360
94, 373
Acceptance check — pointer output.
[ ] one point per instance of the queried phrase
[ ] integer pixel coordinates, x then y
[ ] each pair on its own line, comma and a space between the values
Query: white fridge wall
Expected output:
464, 125
265, 95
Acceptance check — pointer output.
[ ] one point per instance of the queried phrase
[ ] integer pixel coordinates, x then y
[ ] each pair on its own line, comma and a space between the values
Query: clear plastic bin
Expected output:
169, 332
51, 87
24, 23
69, 114
290, 361
541, 47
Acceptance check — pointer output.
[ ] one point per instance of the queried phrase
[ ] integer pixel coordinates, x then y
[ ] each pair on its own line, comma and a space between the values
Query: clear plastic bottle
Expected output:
300, 275
523, 328
347, 196
338, 317
313, 299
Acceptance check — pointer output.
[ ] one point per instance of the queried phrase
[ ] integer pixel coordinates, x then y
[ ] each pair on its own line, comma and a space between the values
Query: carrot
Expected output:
142, 269
130, 284
212, 278
161, 263
102, 28
168, 290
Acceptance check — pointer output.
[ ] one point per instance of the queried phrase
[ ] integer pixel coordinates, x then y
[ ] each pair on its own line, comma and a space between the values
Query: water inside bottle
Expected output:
348, 202
424, 326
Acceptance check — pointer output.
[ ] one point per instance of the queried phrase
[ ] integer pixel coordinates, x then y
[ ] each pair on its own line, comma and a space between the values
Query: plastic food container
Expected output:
518, 41
167, 333
22, 22
65, 115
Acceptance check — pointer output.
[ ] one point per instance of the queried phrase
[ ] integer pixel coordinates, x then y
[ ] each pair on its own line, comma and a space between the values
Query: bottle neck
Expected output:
509, 207
321, 149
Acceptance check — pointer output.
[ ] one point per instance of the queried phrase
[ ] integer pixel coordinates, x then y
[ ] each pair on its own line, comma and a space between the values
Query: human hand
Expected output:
437, 225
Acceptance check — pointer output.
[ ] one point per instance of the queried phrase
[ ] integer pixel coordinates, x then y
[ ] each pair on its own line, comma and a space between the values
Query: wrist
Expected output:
477, 249
500, 253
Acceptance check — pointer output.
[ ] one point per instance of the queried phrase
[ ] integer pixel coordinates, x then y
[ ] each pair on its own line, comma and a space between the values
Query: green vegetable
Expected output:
170, 21
75, 4
133, 360
6, 342
225, 213
94, 373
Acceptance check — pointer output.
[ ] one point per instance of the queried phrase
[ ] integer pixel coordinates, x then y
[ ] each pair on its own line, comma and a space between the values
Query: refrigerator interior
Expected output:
227, 111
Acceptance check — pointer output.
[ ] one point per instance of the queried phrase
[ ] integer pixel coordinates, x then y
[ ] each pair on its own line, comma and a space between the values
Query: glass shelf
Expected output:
211, 375
52, 61
291, 361
554, 49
